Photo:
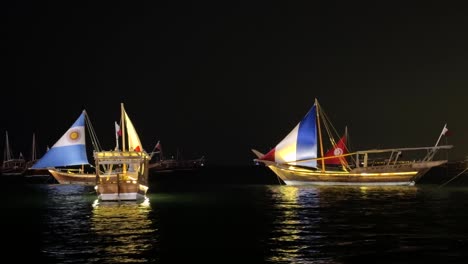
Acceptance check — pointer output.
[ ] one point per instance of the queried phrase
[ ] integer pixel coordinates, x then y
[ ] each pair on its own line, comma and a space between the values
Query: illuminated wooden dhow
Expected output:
131, 167
295, 159
128, 184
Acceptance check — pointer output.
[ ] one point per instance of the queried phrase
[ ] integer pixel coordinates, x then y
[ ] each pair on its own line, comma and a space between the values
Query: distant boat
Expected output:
33, 159
132, 161
12, 166
38, 175
67, 159
161, 164
298, 159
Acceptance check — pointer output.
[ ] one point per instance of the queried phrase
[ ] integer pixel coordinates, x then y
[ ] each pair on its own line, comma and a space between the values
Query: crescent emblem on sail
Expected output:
338, 152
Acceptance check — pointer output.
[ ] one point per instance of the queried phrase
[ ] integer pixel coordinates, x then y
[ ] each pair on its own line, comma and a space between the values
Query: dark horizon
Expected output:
217, 79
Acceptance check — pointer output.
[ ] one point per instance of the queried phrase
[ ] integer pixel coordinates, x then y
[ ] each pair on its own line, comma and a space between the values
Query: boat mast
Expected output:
122, 121
8, 155
444, 130
33, 152
320, 134
432, 152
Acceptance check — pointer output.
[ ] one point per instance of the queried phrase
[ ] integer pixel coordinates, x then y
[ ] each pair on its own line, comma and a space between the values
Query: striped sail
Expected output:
69, 150
300, 144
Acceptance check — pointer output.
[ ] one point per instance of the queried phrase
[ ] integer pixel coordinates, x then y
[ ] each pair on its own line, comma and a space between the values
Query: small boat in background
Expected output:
12, 166
40, 175
177, 163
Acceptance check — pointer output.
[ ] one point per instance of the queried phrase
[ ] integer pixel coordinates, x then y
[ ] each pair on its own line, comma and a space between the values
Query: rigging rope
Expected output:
454, 177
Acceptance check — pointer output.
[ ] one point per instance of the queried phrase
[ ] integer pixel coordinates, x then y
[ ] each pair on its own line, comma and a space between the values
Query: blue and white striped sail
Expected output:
69, 150
300, 144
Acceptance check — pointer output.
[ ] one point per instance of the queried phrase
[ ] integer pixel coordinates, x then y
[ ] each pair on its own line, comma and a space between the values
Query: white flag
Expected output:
118, 133
444, 131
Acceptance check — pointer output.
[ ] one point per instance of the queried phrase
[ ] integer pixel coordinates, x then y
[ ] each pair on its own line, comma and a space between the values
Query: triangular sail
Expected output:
69, 150
134, 143
299, 147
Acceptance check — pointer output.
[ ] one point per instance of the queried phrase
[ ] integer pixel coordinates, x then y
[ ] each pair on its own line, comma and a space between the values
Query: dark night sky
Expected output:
219, 78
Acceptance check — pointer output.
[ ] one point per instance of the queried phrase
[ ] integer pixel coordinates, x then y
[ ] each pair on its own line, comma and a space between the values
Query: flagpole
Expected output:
441, 134
117, 129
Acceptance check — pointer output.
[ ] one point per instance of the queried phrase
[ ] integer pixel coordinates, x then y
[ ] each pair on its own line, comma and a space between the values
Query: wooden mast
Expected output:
320, 134
33, 150
8, 155
124, 165
123, 132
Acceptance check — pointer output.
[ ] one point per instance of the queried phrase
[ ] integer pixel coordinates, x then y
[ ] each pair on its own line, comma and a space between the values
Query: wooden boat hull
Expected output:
122, 191
129, 184
176, 165
14, 167
394, 175
64, 177
12, 173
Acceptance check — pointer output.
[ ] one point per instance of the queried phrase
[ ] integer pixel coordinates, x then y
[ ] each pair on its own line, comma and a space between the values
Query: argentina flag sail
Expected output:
69, 150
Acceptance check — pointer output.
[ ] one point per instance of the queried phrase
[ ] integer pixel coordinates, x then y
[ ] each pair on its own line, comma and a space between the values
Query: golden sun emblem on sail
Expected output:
74, 135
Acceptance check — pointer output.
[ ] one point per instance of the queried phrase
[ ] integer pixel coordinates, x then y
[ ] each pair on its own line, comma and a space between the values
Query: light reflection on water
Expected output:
240, 224
84, 230
125, 230
311, 222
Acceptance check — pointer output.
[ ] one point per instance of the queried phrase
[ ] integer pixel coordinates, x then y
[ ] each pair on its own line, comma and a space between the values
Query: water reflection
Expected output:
311, 222
125, 232
294, 219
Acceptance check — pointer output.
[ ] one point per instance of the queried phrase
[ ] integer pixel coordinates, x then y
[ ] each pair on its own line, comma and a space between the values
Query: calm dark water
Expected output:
200, 223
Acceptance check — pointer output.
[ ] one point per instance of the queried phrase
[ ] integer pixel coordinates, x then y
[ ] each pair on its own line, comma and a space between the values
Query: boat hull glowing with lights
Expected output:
405, 175
300, 159
126, 190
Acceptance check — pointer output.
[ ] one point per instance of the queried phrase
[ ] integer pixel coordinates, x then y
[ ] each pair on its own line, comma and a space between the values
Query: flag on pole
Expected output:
158, 146
118, 131
445, 131
339, 150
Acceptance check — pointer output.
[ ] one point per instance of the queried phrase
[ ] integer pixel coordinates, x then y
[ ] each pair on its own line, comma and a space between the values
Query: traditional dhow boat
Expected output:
131, 180
296, 160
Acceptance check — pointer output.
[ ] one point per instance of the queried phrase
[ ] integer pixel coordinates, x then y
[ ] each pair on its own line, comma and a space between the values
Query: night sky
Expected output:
218, 78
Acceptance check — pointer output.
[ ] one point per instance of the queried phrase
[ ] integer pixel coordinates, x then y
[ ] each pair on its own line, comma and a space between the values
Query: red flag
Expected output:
118, 131
338, 150
158, 146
